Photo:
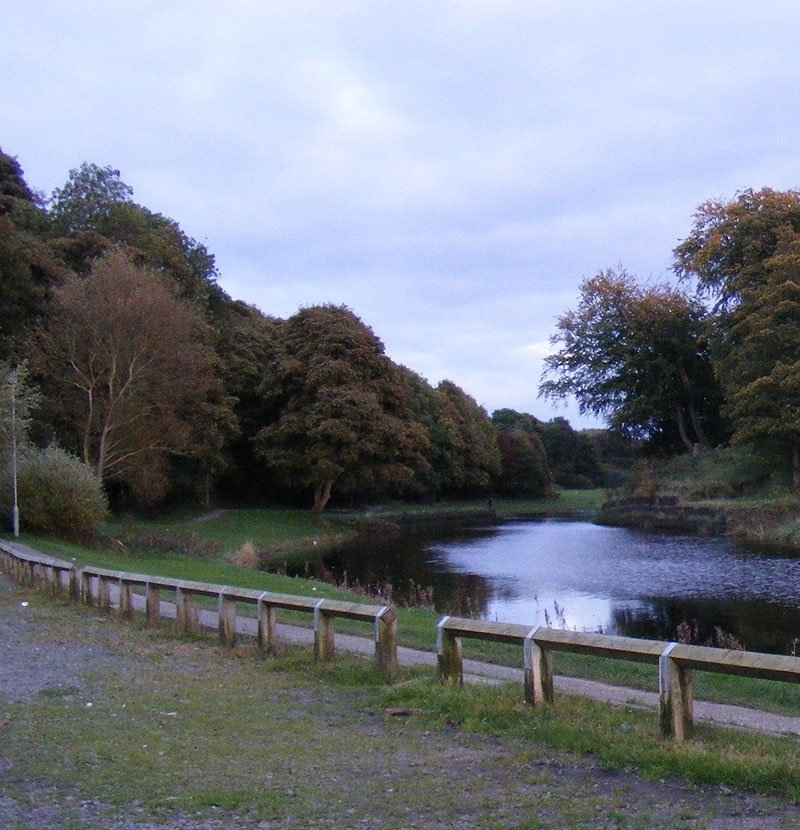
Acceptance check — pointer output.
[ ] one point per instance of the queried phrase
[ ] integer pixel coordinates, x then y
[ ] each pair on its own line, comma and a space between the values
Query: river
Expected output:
582, 576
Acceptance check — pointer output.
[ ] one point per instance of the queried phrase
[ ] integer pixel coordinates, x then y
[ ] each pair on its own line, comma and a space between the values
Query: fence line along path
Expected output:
109, 588
117, 590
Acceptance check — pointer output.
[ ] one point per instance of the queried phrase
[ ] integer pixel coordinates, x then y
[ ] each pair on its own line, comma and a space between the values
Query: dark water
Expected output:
583, 576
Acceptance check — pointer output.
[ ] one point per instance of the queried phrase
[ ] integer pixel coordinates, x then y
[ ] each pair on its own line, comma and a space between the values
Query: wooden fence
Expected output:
676, 662
92, 585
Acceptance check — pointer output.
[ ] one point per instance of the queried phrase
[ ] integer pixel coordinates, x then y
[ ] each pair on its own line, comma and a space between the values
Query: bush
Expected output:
57, 493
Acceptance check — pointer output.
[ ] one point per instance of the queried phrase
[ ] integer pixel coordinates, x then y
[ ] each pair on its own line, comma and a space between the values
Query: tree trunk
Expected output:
696, 425
680, 420
322, 495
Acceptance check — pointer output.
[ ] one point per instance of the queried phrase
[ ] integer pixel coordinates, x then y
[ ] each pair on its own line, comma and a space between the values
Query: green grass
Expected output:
192, 727
618, 737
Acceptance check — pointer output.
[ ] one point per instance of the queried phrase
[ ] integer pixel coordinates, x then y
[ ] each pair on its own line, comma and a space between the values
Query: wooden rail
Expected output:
676, 662
93, 585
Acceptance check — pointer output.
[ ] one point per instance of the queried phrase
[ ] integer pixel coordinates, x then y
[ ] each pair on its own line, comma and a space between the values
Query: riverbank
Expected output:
727, 492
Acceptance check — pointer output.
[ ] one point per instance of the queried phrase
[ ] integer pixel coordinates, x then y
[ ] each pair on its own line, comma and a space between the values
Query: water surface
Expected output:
586, 577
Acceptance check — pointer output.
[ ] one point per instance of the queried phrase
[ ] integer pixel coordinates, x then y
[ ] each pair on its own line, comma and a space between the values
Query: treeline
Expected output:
714, 360
168, 388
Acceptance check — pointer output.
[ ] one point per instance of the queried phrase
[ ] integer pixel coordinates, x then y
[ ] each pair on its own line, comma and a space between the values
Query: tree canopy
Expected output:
639, 357
342, 417
129, 366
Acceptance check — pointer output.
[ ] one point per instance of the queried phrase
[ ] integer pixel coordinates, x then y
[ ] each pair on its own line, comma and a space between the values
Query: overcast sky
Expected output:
450, 171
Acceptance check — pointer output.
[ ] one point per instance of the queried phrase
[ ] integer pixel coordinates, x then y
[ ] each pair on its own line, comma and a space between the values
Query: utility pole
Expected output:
12, 382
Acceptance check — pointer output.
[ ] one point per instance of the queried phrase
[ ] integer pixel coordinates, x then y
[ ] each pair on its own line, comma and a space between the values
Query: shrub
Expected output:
57, 493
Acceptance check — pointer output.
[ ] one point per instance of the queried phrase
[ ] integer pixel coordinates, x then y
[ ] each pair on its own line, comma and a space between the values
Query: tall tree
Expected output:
87, 198
745, 253
28, 264
95, 212
130, 372
639, 357
474, 456
342, 420
525, 468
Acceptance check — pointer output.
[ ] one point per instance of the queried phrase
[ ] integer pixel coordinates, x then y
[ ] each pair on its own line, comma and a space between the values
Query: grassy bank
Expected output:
730, 490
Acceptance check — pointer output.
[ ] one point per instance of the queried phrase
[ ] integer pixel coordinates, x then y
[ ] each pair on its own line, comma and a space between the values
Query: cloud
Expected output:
450, 171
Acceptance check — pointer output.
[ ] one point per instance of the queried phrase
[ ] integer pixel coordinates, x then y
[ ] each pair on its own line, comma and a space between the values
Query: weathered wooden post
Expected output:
227, 619
103, 593
386, 640
675, 697
153, 605
538, 668
75, 580
323, 633
448, 650
87, 598
267, 624
187, 620
125, 599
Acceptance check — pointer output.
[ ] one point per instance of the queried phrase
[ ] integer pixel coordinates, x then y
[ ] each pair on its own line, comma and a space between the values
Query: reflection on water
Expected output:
582, 576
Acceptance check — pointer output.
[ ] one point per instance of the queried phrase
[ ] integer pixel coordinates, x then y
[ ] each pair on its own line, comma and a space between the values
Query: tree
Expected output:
342, 416
28, 265
730, 241
639, 357
473, 456
94, 212
130, 373
87, 197
745, 253
525, 469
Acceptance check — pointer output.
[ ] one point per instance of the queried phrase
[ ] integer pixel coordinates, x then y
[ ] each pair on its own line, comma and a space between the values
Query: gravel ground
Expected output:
501, 783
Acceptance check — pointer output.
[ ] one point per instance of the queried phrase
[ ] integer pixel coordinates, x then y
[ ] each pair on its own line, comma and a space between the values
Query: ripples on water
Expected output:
587, 577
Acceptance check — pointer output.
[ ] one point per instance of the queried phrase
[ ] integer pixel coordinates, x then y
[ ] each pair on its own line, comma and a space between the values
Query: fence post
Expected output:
538, 665
153, 605
103, 594
386, 640
323, 633
267, 624
187, 620
87, 597
448, 650
675, 697
227, 619
125, 599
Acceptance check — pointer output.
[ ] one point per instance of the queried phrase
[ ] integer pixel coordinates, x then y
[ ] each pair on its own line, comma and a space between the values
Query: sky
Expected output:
450, 171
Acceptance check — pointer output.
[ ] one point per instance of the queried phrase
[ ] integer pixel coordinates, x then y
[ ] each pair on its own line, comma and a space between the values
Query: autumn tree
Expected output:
639, 357
130, 374
524, 466
746, 255
473, 454
94, 212
342, 418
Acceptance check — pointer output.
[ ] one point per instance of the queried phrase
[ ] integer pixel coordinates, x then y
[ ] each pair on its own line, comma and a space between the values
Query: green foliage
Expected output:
342, 416
57, 493
28, 264
639, 357
18, 401
87, 197
746, 253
